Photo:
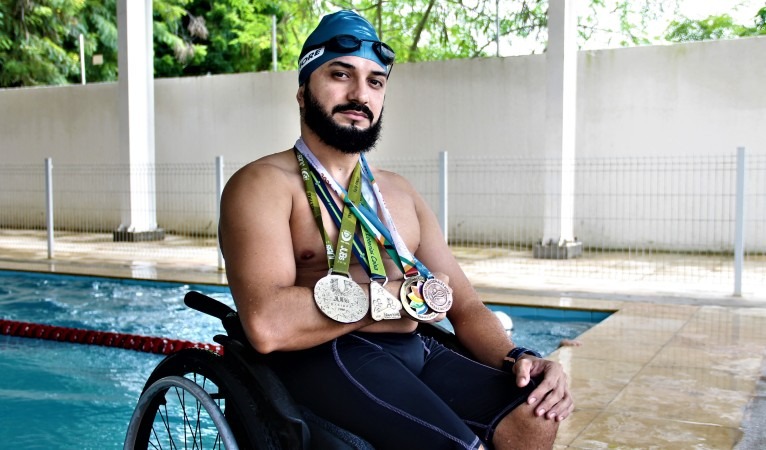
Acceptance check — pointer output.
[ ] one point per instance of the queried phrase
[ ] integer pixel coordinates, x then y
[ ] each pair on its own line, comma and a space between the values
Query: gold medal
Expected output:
383, 305
437, 295
341, 299
411, 297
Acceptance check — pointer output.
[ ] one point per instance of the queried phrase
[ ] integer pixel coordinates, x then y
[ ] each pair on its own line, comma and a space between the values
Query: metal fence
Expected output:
647, 224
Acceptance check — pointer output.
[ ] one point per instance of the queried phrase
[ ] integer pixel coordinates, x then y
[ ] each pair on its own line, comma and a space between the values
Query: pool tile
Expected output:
686, 394
501, 297
616, 350
628, 321
739, 362
617, 430
728, 326
612, 333
573, 425
596, 383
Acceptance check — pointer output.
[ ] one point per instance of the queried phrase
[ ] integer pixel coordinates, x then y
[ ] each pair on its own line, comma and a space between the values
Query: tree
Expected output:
32, 39
424, 30
39, 39
715, 27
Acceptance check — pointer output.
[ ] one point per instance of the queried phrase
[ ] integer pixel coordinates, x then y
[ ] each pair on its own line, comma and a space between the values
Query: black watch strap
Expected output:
513, 356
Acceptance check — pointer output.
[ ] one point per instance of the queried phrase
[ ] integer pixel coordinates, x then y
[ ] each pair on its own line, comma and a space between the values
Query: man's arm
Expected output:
256, 211
480, 331
477, 328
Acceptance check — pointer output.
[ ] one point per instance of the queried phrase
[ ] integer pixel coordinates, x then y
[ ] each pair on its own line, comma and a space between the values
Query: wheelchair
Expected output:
196, 398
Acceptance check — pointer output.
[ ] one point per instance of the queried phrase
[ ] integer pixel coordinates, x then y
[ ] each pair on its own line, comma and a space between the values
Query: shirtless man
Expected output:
375, 377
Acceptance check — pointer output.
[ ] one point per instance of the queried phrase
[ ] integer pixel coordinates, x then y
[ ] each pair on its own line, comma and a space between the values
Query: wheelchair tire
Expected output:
224, 383
185, 406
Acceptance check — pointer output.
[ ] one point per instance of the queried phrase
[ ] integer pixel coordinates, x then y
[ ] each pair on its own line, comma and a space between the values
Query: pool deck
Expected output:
661, 372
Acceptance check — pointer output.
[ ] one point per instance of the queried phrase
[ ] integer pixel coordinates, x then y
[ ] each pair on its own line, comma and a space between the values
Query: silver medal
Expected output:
341, 299
383, 305
437, 295
411, 297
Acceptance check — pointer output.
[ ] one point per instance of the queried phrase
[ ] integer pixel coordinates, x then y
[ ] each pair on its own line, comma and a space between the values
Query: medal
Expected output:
437, 295
340, 298
412, 299
383, 305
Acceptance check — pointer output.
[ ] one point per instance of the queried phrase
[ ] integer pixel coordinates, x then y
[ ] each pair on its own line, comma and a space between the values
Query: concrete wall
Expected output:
681, 100
701, 98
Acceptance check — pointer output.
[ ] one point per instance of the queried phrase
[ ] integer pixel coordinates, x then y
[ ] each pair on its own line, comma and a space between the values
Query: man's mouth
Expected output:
359, 111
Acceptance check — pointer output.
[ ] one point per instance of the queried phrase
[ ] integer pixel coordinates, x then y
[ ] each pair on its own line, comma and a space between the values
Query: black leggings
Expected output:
401, 391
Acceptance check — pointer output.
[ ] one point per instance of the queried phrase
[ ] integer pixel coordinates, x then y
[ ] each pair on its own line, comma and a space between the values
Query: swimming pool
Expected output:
73, 396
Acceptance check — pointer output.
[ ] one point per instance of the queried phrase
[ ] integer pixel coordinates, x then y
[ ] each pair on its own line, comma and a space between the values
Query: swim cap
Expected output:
339, 23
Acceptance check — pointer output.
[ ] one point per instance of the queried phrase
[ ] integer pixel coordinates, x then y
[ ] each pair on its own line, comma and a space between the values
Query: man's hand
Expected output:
551, 397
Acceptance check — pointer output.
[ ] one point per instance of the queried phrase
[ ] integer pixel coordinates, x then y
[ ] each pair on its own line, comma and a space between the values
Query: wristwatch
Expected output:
513, 356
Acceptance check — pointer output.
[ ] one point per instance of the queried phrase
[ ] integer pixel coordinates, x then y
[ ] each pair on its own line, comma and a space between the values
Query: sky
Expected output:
742, 11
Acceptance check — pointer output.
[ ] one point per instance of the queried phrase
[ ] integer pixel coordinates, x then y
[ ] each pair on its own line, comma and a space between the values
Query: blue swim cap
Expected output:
339, 23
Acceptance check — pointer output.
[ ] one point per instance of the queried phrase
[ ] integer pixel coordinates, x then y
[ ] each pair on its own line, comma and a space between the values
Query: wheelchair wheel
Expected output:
185, 410
223, 383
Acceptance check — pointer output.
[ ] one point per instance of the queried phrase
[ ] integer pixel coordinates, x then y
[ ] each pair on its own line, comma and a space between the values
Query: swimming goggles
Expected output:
346, 43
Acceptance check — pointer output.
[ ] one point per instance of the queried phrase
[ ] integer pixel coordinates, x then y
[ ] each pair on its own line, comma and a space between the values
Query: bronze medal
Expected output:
437, 295
411, 296
383, 305
341, 299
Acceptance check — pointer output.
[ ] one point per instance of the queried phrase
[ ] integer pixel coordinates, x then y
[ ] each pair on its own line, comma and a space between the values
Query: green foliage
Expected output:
713, 27
224, 36
424, 30
39, 39
32, 42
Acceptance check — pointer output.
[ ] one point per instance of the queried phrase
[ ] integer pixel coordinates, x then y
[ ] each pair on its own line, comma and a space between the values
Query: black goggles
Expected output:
346, 43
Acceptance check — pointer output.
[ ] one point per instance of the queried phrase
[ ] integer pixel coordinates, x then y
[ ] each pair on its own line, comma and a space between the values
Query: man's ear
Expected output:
299, 95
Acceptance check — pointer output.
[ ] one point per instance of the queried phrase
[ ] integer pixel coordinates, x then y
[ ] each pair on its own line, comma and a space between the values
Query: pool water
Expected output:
72, 396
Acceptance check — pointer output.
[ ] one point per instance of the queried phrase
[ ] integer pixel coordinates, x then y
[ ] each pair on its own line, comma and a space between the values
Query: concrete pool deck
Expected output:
660, 372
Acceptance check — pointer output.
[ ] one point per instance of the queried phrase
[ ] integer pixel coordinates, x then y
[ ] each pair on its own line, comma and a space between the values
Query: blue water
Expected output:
73, 396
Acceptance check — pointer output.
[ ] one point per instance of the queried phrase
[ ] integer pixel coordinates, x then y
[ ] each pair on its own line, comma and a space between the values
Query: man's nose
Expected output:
360, 92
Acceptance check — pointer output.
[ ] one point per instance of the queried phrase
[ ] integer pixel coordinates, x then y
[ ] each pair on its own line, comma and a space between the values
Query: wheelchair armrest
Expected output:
212, 307
207, 305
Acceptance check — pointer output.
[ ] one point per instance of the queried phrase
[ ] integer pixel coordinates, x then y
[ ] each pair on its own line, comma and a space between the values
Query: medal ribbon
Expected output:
336, 215
366, 252
348, 225
368, 216
340, 260
391, 233
314, 204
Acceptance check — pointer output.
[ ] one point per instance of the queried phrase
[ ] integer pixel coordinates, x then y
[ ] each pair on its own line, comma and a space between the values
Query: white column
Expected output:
136, 103
560, 121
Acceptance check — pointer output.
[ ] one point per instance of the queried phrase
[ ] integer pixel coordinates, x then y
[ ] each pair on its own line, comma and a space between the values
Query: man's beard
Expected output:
347, 139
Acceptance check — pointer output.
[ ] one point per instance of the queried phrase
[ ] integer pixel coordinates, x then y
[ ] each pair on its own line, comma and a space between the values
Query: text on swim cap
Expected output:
310, 56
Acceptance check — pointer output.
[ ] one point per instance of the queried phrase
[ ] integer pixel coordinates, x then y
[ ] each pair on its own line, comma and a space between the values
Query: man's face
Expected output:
343, 104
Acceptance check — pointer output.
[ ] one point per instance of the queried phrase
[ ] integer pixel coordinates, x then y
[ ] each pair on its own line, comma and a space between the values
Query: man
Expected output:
304, 304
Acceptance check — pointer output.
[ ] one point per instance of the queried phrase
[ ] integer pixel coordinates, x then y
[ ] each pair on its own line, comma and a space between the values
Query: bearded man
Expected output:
333, 264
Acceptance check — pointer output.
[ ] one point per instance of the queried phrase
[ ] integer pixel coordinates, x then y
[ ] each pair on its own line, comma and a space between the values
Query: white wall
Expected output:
689, 99
700, 98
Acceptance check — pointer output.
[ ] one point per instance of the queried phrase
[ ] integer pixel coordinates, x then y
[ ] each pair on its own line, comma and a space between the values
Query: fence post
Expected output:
443, 194
274, 65
218, 194
739, 235
49, 204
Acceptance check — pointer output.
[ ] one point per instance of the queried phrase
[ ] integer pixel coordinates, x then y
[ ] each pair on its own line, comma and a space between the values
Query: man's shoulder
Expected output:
274, 170
275, 164
390, 178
